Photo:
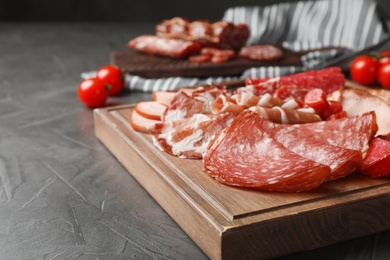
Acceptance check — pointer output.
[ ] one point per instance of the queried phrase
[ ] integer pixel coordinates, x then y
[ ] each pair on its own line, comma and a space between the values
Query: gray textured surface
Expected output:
62, 194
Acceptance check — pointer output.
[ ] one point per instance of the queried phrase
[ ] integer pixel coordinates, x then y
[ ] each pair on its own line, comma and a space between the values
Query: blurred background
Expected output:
119, 10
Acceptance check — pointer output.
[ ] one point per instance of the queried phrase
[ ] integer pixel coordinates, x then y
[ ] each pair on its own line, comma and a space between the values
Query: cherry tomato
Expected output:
384, 75
364, 70
92, 92
112, 76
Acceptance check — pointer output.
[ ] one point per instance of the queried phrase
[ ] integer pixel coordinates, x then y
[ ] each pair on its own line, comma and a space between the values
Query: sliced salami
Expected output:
244, 155
377, 162
264, 52
328, 79
342, 161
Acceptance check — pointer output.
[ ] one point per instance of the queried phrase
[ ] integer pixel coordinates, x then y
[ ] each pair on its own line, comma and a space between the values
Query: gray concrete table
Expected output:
62, 194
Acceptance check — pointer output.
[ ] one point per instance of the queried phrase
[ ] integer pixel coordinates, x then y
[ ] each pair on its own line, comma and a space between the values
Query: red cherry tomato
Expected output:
92, 92
384, 75
364, 70
113, 77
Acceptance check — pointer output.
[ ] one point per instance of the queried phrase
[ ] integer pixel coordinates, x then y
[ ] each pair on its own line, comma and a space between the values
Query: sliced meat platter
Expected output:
285, 134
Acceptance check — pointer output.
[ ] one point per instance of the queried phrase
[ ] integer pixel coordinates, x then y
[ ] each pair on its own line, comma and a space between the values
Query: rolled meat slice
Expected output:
244, 155
285, 115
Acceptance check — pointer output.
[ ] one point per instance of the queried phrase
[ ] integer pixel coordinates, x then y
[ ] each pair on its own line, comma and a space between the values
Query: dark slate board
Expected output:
152, 66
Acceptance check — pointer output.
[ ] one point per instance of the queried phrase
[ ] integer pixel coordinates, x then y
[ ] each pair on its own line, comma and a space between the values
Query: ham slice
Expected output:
357, 102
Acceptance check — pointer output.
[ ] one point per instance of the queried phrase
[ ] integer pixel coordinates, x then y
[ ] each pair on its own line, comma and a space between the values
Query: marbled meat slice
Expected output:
183, 106
243, 154
189, 137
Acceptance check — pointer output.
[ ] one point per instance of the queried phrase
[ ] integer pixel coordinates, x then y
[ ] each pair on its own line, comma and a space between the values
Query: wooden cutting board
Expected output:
152, 66
234, 223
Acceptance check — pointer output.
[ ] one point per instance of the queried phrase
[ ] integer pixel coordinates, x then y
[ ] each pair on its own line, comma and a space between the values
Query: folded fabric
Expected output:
354, 25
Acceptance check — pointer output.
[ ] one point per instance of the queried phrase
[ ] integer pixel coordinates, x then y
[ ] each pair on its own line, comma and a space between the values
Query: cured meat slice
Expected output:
356, 102
244, 155
189, 137
328, 79
377, 162
268, 86
286, 92
265, 100
200, 58
285, 115
150, 109
142, 124
163, 97
174, 48
227, 36
200, 31
354, 133
264, 52
221, 34
342, 161
183, 106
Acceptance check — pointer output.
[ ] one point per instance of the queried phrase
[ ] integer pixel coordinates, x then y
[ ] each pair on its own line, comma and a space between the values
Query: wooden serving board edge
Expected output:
249, 238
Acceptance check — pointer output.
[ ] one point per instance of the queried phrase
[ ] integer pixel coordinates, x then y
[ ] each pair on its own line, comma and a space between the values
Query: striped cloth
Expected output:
298, 26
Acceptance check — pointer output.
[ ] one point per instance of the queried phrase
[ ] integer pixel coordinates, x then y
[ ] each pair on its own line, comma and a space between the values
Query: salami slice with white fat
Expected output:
342, 161
244, 155
265, 52
328, 79
255, 159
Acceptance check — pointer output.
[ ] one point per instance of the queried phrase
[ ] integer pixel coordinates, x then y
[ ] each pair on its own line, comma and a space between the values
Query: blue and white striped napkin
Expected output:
299, 26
